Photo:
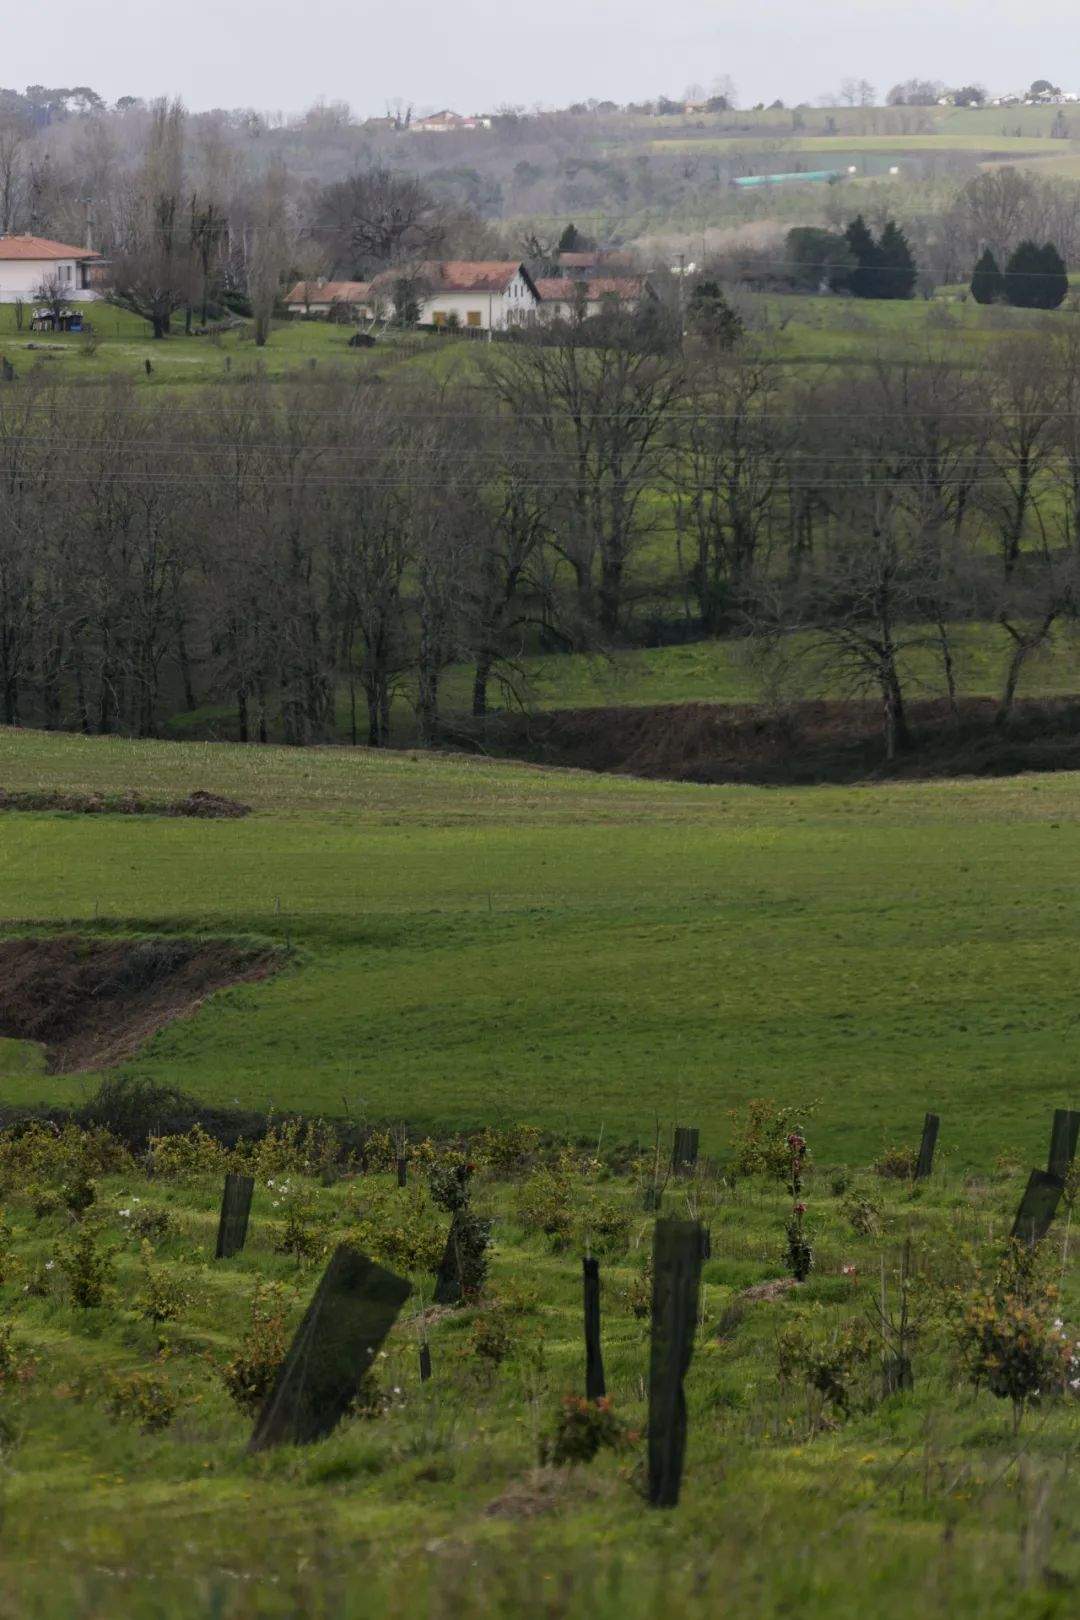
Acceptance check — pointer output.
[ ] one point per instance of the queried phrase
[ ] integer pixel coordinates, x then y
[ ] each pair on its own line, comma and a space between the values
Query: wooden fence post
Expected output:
925, 1162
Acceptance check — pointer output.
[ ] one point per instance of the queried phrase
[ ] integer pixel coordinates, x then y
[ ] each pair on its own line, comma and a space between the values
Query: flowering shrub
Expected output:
1010, 1338
250, 1375
146, 1399
583, 1428
763, 1140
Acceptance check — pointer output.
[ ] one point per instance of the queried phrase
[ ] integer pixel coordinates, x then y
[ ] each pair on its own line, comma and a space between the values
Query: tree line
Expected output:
299, 555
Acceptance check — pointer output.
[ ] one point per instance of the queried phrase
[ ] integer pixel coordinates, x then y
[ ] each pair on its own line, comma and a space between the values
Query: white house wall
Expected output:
21, 278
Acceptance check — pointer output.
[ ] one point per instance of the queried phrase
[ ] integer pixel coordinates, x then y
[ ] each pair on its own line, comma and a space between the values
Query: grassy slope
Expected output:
432, 1509
479, 941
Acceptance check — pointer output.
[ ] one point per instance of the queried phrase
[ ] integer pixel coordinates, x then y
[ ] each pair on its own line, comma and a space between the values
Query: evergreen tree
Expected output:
863, 281
897, 271
1055, 278
1035, 277
987, 281
573, 241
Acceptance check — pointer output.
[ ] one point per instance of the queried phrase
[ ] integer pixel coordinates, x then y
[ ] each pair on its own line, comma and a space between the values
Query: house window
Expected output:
439, 318
473, 318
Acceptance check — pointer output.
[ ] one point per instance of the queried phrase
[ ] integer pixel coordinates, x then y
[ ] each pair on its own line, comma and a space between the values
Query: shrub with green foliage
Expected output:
1036, 277
987, 281
146, 1399
582, 1429
1009, 1335
88, 1269
250, 1375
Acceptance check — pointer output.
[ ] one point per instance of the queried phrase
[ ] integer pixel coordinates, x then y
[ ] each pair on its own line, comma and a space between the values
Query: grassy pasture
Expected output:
481, 942
435, 1506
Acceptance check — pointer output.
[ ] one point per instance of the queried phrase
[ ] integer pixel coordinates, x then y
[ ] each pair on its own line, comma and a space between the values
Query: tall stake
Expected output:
677, 1249
595, 1387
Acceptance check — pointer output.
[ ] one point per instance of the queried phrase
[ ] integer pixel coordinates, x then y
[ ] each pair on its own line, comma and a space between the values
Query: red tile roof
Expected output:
564, 290
456, 275
39, 247
329, 292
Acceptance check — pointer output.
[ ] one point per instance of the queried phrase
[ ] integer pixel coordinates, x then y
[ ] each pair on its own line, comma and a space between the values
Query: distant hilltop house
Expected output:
31, 264
562, 297
321, 297
476, 294
445, 122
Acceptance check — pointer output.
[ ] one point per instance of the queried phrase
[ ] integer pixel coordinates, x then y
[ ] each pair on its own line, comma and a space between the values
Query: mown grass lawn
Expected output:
481, 942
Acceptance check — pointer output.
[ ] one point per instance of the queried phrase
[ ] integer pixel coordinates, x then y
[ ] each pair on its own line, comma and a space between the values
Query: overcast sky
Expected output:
474, 55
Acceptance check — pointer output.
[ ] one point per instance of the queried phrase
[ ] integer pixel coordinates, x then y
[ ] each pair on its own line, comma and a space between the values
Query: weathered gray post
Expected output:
352, 1311
235, 1212
677, 1247
595, 1387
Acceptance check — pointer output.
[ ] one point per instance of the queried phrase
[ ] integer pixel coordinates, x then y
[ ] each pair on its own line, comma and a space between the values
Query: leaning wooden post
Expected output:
1037, 1207
235, 1212
925, 1161
352, 1311
677, 1247
595, 1388
1063, 1140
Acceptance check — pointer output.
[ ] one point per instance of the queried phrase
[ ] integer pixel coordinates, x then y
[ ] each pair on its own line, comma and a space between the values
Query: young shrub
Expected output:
149, 1223
188, 1157
164, 1294
142, 1397
401, 1232
491, 1338
582, 1429
450, 1183
863, 1214
16, 1367
250, 1375
301, 1235
604, 1226
762, 1140
506, 1153
7, 1243
1009, 1337
798, 1251
544, 1204
473, 1237
43, 1199
79, 1193
636, 1295
826, 1366
88, 1270
897, 1164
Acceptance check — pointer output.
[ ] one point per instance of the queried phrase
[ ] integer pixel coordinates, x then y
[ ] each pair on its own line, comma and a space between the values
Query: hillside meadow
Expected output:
476, 942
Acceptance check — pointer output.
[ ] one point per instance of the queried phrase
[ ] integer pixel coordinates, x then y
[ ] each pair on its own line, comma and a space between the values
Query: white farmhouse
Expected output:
564, 298
476, 294
29, 263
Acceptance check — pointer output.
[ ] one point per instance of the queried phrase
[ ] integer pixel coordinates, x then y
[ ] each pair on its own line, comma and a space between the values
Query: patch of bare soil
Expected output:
770, 1291
94, 1003
543, 1490
205, 806
820, 741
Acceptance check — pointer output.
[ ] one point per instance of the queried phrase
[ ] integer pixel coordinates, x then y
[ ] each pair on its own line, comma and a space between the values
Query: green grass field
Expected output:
481, 942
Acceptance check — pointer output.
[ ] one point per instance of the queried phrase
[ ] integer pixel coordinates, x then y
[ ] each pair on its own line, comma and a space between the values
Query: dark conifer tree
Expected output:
1035, 277
864, 280
987, 281
897, 271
